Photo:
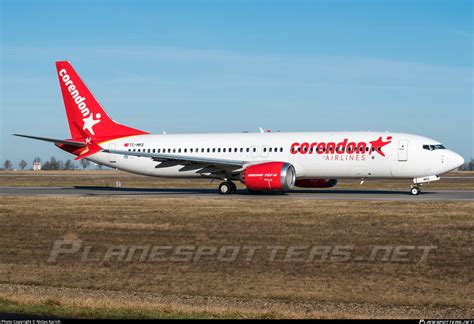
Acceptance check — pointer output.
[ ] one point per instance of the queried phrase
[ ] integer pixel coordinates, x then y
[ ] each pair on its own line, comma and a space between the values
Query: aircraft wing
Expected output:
54, 140
204, 165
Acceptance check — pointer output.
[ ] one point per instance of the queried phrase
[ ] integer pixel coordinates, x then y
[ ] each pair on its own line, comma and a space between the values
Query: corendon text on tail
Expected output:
261, 161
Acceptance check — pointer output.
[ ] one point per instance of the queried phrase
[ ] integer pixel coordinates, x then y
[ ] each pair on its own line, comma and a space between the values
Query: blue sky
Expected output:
228, 66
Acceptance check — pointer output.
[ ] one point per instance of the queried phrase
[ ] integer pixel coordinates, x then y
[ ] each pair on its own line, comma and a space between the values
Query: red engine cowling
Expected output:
269, 176
316, 183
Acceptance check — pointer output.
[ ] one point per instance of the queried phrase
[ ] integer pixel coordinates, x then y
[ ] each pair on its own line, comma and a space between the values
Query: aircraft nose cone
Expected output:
456, 160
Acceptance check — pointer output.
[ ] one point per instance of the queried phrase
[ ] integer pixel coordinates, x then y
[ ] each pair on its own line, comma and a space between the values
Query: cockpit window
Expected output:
434, 147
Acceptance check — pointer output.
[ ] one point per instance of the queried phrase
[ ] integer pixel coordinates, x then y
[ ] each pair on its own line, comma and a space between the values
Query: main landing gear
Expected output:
227, 188
415, 190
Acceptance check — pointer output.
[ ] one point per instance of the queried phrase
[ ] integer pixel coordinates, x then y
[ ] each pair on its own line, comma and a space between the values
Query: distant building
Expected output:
36, 166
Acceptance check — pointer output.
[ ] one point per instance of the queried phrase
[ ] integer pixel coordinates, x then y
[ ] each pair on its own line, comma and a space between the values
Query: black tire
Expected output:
233, 188
415, 191
225, 188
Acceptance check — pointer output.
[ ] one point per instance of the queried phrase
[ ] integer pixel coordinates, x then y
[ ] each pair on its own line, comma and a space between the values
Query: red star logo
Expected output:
378, 144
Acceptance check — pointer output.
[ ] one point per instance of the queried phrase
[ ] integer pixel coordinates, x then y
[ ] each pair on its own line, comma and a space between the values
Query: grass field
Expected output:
440, 286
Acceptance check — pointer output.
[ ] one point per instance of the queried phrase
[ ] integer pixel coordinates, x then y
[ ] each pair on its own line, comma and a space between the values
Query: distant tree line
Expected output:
51, 164
468, 166
54, 164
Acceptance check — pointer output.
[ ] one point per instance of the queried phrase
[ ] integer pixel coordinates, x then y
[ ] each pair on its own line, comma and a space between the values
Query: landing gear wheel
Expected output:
233, 188
415, 191
227, 188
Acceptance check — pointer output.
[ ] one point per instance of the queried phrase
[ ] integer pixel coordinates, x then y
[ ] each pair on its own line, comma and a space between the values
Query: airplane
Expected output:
263, 161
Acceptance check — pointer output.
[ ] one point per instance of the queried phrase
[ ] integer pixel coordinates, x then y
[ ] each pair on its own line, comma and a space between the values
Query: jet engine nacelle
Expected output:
316, 183
269, 176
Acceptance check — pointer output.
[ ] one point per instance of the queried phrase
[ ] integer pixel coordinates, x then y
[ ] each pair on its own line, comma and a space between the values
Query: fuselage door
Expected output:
112, 157
403, 150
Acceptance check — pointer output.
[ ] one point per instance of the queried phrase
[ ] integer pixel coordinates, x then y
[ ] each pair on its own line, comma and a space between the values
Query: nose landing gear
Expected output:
417, 182
415, 190
227, 188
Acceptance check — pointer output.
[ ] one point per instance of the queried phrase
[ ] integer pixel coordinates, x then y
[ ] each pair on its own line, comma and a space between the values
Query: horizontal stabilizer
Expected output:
54, 140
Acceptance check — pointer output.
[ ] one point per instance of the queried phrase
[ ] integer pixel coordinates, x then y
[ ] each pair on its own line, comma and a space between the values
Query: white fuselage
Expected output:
402, 156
